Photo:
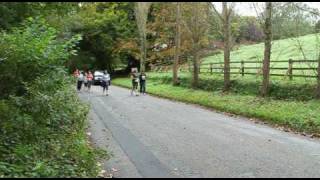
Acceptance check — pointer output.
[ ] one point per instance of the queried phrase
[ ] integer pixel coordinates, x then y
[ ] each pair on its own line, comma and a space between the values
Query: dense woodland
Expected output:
42, 121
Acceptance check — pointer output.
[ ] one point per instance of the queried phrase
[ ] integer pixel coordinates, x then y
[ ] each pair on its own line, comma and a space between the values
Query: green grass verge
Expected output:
303, 116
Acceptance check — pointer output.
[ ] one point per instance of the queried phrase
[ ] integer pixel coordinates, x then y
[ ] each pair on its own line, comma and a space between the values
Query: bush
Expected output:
42, 134
42, 127
29, 51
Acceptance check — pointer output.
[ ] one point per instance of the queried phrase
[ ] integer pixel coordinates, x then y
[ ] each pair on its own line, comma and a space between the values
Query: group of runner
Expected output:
138, 79
86, 78
83, 78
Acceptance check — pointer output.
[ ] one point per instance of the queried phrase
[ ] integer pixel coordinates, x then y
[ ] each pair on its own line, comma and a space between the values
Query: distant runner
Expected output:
85, 81
142, 81
135, 81
105, 82
89, 79
80, 80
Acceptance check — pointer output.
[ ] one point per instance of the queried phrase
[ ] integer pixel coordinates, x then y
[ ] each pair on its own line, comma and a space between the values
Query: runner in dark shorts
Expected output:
135, 81
142, 82
105, 82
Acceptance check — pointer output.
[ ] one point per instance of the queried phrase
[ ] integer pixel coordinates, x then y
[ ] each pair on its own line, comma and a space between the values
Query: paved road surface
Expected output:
153, 137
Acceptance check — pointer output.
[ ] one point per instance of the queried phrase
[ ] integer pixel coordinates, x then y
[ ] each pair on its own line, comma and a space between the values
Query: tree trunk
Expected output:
267, 50
177, 46
196, 44
143, 53
227, 42
195, 80
318, 82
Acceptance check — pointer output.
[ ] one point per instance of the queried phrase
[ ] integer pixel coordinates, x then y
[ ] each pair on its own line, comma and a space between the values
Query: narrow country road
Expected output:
154, 137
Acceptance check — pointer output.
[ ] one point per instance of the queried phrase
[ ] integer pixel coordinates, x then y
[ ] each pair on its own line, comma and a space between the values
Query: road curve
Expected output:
162, 138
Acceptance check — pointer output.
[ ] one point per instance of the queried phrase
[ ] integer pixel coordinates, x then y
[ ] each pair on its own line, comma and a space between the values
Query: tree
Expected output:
177, 45
195, 19
226, 21
318, 80
30, 51
267, 49
249, 29
141, 10
227, 41
291, 19
317, 26
14, 13
109, 31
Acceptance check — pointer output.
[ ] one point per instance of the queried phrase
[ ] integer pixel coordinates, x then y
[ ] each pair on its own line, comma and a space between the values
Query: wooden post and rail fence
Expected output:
217, 68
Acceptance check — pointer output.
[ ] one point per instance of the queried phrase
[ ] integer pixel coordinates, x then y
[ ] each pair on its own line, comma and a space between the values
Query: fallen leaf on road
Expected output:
114, 170
311, 136
102, 171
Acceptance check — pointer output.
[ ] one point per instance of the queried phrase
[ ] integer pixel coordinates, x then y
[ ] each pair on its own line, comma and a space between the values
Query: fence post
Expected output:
242, 68
290, 69
318, 80
211, 68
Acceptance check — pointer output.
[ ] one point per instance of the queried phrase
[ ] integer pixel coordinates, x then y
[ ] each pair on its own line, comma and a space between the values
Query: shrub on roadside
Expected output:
42, 121
43, 133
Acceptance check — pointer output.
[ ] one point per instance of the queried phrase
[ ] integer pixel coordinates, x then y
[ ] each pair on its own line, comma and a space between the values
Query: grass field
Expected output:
284, 49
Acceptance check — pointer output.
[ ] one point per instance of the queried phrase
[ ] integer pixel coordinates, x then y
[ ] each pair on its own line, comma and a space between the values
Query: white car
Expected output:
97, 77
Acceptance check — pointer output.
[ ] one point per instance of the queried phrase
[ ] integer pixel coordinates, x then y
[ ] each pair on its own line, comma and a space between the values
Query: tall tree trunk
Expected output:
227, 42
195, 80
143, 53
318, 82
267, 49
196, 44
141, 10
177, 46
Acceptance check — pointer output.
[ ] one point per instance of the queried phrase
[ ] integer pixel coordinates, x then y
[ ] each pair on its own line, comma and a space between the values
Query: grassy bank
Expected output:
283, 49
299, 115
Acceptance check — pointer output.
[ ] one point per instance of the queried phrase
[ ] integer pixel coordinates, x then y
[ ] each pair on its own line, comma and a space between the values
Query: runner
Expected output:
85, 80
142, 82
135, 81
105, 82
76, 74
80, 80
89, 79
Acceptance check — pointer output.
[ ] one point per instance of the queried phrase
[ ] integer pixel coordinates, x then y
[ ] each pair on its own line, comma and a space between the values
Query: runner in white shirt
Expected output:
105, 82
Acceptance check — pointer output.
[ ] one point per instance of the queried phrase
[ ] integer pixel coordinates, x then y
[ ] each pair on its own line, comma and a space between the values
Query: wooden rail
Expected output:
217, 68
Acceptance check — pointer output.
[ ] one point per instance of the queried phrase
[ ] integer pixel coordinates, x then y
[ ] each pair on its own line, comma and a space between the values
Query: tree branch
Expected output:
230, 9
215, 10
263, 17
